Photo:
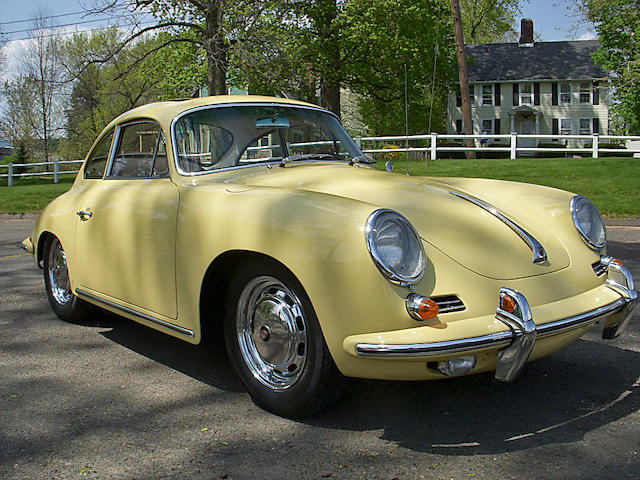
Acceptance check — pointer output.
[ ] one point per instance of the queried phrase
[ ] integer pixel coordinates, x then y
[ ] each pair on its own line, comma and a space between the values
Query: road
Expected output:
111, 399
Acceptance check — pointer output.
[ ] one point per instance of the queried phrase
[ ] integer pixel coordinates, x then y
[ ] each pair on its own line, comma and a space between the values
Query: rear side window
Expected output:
141, 152
97, 163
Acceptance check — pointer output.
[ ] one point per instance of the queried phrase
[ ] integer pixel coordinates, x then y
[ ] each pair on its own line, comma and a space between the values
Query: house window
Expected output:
565, 126
487, 126
526, 94
585, 126
487, 94
459, 127
585, 92
565, 93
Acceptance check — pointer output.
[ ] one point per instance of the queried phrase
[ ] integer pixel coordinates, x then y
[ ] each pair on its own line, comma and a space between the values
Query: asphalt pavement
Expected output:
111, 399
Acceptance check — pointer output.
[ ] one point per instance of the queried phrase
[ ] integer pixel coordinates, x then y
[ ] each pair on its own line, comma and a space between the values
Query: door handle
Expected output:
84, 215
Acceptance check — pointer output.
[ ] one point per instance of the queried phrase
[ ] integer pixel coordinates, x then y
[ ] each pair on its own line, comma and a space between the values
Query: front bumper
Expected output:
523, 332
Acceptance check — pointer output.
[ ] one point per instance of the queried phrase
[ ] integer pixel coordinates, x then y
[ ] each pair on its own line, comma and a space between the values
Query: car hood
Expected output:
462, 230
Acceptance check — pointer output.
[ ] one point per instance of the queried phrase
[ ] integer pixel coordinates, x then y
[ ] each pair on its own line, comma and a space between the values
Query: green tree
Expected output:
485, 21
382, 37
618, 25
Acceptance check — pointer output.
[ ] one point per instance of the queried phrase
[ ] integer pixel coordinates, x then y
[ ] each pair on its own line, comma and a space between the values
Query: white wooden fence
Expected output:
493, 143
483, 143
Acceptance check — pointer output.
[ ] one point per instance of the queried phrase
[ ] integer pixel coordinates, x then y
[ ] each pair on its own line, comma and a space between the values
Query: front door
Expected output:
127, 244
527, 126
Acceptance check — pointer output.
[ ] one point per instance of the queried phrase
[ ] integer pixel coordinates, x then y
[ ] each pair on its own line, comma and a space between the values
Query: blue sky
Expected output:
550, 17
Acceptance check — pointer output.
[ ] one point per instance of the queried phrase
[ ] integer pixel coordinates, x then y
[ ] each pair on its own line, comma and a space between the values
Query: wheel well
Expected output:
213, 292
44, 236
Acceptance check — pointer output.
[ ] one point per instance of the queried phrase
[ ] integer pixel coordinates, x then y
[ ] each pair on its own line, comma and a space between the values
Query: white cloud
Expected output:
588, 36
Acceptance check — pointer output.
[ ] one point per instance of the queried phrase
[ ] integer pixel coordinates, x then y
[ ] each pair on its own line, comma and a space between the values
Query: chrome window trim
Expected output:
373, 250
539, 253
493, 340
174, 145
113, 131
574, 216
136, 313
116, 143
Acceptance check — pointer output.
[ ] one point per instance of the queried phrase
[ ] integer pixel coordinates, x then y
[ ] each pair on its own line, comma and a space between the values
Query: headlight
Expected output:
588, 221
395, 247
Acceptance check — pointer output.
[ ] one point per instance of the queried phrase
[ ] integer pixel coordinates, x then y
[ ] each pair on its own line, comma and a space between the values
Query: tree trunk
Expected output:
330, 94
462, 72
217, 49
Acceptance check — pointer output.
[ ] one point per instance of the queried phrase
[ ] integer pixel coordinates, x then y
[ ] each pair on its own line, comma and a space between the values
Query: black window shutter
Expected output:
496, 126
536, 94
458, 100
554, 93
596, 125
596, 94
554, 126
516, 95
496, 94
458, 127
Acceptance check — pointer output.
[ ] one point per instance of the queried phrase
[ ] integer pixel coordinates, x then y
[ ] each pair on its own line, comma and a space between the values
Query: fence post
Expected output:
434, 145
514, 145
10, 175
595, 145
358, 142
56, 169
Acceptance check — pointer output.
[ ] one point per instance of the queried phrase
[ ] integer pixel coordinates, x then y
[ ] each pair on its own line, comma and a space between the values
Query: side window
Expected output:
98, 161
141, 152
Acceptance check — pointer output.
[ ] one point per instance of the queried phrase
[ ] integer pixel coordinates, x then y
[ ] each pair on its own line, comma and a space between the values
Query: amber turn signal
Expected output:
428, 309
421, 308
508, 304
617, 262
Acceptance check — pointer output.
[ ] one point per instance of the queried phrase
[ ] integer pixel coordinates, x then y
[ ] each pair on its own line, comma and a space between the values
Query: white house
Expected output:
534, 88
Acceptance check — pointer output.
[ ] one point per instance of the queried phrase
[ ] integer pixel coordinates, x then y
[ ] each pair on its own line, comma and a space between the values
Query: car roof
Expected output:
165, 111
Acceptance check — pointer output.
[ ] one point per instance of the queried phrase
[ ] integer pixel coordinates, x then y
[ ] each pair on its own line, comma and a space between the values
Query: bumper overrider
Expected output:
514, 311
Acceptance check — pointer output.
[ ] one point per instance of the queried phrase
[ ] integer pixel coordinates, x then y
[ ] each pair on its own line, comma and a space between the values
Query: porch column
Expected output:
513, 122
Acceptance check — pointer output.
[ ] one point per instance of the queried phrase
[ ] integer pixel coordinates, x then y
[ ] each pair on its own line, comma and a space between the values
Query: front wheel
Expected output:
275, 344
64, 303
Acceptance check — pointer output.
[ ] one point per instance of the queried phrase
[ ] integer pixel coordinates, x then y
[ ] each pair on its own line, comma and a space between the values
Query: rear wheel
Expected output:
64, 303
276, 345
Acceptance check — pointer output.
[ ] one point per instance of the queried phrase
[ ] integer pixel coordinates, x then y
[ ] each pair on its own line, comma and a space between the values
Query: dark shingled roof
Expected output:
543, 61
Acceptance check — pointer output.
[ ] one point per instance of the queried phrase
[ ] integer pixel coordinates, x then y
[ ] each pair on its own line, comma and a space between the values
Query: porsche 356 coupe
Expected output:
259, 219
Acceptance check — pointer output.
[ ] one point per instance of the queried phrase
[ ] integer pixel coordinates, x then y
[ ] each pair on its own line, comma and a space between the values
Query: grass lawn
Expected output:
31, 194
613, 184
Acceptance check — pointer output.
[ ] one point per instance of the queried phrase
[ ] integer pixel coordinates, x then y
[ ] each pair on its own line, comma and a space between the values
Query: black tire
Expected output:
64, 303
294, 375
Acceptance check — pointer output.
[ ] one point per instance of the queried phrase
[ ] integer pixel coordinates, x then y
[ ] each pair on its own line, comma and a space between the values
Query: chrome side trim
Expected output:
131, 311
539, 253
493, 340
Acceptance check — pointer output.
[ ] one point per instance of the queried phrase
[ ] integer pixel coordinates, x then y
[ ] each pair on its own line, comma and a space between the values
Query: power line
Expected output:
62, 34
63, 25
48, 17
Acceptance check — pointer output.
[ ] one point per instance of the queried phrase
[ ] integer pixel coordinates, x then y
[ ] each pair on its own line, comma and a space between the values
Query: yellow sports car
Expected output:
260, 220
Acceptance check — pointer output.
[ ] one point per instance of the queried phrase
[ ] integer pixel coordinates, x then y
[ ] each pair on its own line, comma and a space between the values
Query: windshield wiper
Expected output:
361, 159
309, 156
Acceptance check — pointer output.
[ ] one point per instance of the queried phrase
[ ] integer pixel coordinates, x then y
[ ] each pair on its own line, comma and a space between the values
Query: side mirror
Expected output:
388, 166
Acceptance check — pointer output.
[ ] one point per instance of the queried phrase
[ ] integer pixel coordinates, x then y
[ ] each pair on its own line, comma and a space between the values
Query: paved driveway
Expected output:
112, 399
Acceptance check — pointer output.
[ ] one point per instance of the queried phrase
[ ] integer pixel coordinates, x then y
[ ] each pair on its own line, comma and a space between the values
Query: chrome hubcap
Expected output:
272, 332
59, 274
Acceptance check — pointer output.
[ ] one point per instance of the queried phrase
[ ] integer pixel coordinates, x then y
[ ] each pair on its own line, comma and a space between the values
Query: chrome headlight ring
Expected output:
588, 222
395, 247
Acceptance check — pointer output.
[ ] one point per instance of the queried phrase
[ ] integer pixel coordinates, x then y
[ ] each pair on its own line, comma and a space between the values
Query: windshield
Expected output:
223, 137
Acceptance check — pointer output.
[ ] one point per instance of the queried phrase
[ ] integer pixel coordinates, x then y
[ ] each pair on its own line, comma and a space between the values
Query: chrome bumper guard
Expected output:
519, 341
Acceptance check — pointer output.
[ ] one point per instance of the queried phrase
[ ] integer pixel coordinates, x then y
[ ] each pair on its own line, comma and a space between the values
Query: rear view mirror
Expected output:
273, 123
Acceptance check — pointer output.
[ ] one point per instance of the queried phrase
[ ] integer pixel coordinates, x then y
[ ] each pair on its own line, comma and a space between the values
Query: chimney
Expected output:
526, 32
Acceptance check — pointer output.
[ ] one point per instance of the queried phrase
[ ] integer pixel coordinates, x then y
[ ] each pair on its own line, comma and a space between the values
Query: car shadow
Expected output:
206, 363
556, 399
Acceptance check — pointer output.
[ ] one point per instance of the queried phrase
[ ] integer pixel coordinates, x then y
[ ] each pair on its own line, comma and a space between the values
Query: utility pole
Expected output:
462, 73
